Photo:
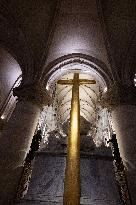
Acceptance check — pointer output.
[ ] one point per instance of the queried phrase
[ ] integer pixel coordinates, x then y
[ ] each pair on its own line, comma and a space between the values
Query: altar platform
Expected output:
98, 184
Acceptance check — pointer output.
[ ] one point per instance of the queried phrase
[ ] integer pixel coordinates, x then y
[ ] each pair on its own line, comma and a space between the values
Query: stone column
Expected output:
121, 100
17, 136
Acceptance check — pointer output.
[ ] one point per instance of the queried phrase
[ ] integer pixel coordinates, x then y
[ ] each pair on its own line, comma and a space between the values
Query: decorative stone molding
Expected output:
64, 64
35, 93
118, 94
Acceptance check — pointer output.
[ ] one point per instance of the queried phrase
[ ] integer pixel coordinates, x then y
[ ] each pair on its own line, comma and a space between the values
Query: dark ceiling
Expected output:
27, 29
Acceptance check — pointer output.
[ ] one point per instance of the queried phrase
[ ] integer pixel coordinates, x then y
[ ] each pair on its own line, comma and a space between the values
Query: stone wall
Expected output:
98, 186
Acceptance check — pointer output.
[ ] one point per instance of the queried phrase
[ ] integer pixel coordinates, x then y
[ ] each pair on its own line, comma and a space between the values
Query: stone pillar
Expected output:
121, 100
17, 136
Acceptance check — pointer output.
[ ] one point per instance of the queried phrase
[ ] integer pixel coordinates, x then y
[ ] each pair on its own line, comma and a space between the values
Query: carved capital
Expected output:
35, 93
119, 94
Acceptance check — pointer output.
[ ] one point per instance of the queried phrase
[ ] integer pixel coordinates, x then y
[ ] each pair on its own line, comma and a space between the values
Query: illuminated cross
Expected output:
72, 172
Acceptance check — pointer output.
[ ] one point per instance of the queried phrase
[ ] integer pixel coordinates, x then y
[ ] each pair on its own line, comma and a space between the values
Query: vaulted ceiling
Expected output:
40, 34
88, 98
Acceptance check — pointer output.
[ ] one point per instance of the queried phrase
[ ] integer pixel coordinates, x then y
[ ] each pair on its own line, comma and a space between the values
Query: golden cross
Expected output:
72, 172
